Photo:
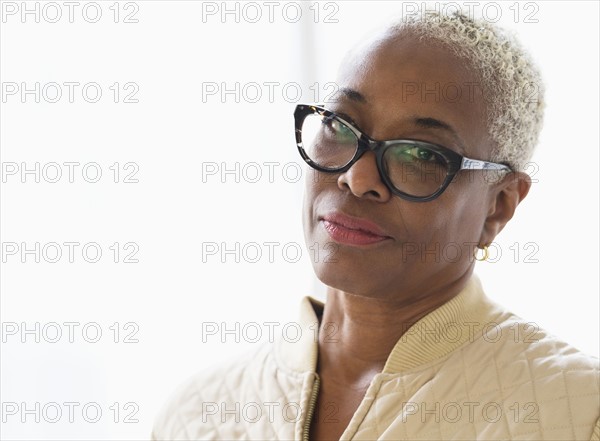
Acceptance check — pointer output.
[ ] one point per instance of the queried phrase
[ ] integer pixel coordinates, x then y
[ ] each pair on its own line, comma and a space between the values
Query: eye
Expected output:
422, 154
340, 131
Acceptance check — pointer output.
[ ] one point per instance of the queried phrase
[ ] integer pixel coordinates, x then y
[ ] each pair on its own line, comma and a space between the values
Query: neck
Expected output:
357, 333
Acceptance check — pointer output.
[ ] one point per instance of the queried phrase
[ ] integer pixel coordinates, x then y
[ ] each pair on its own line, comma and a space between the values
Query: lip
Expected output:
353, 230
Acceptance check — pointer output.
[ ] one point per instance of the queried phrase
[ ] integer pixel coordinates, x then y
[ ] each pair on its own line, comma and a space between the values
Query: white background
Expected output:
172, 54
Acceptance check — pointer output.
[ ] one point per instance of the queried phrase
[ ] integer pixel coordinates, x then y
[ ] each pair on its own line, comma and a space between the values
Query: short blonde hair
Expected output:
512, 84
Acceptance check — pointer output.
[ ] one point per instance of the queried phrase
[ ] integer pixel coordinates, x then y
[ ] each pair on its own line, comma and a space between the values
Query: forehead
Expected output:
399, 77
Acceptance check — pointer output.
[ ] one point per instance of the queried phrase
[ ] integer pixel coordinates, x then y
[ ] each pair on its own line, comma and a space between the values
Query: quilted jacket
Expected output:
468, 370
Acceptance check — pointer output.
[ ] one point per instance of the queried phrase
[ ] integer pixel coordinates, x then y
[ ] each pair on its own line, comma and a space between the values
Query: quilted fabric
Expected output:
469, 370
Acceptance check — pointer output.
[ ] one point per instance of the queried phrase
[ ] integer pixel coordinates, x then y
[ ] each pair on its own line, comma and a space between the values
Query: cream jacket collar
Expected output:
434, 336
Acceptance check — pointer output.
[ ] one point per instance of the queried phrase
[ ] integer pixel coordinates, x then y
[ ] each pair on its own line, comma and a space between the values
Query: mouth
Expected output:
354, 231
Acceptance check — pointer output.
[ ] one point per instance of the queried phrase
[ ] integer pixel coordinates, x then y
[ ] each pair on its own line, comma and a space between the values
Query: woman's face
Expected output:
395, 88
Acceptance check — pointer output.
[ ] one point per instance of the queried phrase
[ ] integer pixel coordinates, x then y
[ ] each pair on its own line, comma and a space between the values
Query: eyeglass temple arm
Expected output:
474, 164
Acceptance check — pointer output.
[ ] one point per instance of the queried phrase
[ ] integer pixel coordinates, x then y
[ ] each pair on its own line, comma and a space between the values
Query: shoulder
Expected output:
510, 339
188, 410
555, 386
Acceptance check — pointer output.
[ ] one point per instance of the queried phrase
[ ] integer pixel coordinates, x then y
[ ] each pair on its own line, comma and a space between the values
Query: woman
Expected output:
408, 345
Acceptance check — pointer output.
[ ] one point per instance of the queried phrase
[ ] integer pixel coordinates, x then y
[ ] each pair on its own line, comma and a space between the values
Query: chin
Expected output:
347, 278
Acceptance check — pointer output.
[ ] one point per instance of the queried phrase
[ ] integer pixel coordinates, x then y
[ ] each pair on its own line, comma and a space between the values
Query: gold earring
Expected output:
485, 253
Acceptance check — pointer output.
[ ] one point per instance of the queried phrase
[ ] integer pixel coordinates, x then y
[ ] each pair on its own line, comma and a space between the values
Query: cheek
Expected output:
307, 208
464, 206
315, 185
445, 230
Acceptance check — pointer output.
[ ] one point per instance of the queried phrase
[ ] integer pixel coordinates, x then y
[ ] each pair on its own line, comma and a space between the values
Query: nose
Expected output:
363, 180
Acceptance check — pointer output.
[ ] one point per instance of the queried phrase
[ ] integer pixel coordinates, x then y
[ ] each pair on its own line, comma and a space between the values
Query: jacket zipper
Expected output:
311, 407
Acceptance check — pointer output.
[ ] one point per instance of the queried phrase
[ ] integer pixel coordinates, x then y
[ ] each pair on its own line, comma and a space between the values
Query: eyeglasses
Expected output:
413, 170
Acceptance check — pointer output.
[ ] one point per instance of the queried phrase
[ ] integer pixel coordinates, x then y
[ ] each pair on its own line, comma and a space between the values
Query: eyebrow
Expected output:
352, 94
432, 123
418, 121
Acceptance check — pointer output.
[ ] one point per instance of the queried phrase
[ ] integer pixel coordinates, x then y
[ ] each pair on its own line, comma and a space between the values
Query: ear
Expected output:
504, 197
